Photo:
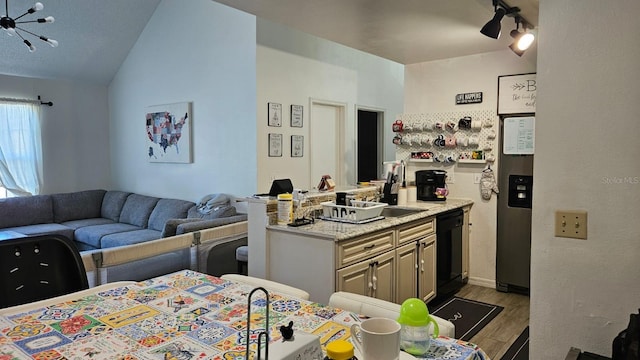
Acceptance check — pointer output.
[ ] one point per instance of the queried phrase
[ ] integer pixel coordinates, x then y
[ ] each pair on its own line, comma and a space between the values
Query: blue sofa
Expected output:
99, 219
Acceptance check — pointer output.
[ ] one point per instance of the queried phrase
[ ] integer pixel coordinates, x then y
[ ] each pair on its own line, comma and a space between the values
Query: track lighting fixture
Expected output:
522, 40
492, 27
9, 25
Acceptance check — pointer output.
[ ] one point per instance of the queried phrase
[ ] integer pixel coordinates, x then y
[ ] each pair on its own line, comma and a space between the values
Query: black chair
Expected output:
39, 267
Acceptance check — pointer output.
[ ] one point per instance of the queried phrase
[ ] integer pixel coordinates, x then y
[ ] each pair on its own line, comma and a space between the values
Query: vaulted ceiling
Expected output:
95, 36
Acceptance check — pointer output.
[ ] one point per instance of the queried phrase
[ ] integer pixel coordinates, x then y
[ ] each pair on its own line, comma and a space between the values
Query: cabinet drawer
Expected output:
416, 230
363, 247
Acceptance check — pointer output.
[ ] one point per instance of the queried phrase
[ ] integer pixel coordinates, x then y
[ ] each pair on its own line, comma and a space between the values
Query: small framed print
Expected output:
296, 115
275, 114
275, 145
297, 145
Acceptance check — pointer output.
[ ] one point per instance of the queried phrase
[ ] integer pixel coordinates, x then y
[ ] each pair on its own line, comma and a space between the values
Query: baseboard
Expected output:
482, 282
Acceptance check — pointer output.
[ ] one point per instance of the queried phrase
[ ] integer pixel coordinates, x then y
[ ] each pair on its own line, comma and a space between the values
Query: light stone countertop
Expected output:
338, 231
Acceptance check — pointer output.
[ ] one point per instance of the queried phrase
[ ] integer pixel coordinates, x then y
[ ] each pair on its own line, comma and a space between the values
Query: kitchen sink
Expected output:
391, 211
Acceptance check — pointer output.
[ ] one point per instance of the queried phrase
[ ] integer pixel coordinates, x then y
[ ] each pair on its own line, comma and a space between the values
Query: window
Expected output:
20, 149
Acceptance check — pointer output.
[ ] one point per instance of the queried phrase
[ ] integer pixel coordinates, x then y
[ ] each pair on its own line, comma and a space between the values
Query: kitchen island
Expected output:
392, 258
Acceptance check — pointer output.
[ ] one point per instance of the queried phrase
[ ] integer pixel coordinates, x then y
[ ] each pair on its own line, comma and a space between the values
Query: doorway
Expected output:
369, 144
326, 141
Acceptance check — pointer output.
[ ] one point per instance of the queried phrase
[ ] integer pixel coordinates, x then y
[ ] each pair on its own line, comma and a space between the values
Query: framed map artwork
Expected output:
169, 133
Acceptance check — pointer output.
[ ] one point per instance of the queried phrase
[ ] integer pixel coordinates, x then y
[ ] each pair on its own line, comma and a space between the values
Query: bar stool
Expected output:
242, 257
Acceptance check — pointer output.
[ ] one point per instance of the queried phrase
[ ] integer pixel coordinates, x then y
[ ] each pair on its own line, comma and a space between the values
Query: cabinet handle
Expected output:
422, 265
368, 247
374, 277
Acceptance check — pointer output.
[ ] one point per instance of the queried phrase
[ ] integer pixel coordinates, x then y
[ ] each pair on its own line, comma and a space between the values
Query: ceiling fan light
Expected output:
51, 42
48, 19
30, 46
10, 31
492, 27
38, 6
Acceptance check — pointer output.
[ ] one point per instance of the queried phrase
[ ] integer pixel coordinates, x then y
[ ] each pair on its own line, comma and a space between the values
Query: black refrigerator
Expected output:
515, 184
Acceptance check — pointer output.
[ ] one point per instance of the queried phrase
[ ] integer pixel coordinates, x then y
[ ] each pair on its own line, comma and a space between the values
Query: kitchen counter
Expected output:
391, 259
338, 231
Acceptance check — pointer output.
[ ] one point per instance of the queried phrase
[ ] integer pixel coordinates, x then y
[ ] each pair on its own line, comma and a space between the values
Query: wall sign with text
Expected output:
469, 98
517, 94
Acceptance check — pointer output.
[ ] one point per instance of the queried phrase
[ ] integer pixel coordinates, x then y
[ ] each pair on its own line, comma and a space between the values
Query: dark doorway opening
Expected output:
368, 148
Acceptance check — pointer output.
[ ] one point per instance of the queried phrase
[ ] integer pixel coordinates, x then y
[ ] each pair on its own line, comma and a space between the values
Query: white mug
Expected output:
463, 140
377, 338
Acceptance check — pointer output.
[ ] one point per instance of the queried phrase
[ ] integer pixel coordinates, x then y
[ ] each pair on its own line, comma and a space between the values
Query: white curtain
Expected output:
20, 148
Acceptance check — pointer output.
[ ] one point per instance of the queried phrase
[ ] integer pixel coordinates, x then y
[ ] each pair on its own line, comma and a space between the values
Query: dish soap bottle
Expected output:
415, 335
340, 350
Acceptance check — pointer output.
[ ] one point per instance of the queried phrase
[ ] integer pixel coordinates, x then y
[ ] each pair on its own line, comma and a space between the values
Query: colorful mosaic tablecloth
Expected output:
184, 315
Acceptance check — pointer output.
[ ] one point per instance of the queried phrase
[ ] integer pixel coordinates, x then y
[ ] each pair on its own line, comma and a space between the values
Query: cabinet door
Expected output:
427, 268
355, 278
384, 276
407, 284
465, 243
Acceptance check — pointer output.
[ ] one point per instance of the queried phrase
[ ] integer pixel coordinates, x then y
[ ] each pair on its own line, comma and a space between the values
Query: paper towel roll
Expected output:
412, 193
402, 197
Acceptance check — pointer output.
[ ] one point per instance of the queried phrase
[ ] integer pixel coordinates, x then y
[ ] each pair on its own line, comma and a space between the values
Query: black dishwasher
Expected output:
449, 254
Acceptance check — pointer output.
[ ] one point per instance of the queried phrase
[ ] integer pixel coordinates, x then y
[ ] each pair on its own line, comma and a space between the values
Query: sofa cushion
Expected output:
77, 205
129, 238
76, 224
91, 235
42, 229
137, 209
218, 212
25, 210
168, 209
112, 204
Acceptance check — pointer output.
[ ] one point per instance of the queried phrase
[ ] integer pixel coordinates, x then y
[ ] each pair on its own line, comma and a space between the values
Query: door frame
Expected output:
341, 107
380, 141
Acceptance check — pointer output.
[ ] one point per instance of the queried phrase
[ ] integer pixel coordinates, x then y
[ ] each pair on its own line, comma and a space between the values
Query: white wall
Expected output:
587, 151
198, 51
293, 67
431, 87
75, 131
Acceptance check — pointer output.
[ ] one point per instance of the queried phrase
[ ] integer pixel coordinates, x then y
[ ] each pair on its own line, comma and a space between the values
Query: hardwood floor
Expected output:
501, 332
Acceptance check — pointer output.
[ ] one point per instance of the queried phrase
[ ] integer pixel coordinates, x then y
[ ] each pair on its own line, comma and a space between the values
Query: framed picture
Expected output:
296, 115
297, 145
275, 114
275, 145
517, 94
168, 137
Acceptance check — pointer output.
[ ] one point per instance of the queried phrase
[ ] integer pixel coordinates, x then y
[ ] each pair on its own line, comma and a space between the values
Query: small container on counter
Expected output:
340, 350
285, 209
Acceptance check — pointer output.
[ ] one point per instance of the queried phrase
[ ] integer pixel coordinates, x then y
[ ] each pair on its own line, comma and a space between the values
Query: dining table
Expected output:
182, 315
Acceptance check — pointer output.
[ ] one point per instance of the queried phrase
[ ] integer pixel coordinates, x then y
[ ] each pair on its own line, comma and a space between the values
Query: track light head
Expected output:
492, 27
522, 40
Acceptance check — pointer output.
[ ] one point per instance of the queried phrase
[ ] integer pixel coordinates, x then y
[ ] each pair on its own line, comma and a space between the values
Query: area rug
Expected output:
519, 350
469, 316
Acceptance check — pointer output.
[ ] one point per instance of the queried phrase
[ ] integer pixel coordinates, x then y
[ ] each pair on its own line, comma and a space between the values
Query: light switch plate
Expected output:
571, 224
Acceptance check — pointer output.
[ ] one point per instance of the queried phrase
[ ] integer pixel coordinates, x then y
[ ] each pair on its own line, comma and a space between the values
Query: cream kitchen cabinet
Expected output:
427, 268
407, 258
416, 260
373, 277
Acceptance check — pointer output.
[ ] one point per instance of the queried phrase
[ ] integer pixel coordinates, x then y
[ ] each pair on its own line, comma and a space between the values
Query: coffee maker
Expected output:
431, 185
